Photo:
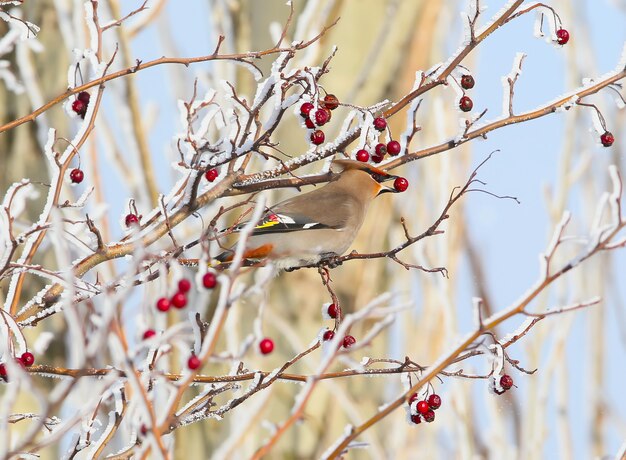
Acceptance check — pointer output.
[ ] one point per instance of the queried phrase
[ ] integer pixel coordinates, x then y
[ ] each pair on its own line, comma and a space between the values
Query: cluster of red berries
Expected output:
506, 382
380, 150
315, 119
26, 360
333, 311
179, 299
79, 106
465, 103
425, 408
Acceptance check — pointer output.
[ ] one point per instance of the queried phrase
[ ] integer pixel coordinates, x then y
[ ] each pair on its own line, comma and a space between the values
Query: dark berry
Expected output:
422, 407
393, 148
79, 107
149, 334
131, 219
77, 175
607, 139
380, 149
467, 81
179, 300
84, 96
27, 358
434, 401
328, 335
211, 174
266, 346
321, 117
184, 285
317, 137
309, 123
348, 341
306, 108
163, 304
380, 124
194, 362
400, 184
333, 311
331, 102
506, 382
562, 36
362, 155
429, 416
377, 159
209, 280
415, 418
413, 398
466, 104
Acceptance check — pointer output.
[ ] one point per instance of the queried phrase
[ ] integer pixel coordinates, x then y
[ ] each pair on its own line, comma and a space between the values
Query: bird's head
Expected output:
364, 175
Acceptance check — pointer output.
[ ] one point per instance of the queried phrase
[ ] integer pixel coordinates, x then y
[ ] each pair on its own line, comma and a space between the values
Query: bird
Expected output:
318, 225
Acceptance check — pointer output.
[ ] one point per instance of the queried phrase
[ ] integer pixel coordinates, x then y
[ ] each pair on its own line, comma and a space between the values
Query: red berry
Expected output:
266, 346
331, 102
309, 123
380, 149
415, 418
317, 137
143, 430
466, 104
77, 175
400, 184
328, 335
79, 107
362, 155
333, 311
163, 304
321, 117
506, 382
467, 81
211, 174
348, 341
429, 416
184, 285
607, 139
422, 407
562, 36
194, 362
84, 96
131, 219
434, 401
393, 148
413, 398
306, 108
209, 280
380, 124
179, 300
3, 371
27, 358
377, 159
148, 334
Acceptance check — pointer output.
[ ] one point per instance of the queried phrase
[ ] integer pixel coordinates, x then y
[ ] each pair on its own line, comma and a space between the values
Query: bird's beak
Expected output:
384, 188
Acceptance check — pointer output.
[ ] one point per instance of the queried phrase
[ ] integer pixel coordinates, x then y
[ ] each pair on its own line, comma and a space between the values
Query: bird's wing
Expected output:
305, 212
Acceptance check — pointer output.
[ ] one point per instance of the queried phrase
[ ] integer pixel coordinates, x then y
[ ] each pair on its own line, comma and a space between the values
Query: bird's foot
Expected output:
330, 260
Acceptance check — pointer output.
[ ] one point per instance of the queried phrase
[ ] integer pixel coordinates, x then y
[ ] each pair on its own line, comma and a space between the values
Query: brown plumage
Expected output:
321, 223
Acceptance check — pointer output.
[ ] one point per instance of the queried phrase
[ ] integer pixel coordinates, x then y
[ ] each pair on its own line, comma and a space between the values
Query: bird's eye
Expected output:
378, 177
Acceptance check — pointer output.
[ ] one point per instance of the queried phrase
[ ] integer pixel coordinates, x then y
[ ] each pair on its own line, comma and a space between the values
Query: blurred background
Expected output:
572, 407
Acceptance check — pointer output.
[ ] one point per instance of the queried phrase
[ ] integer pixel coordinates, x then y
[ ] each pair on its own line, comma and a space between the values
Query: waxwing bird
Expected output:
319, 224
